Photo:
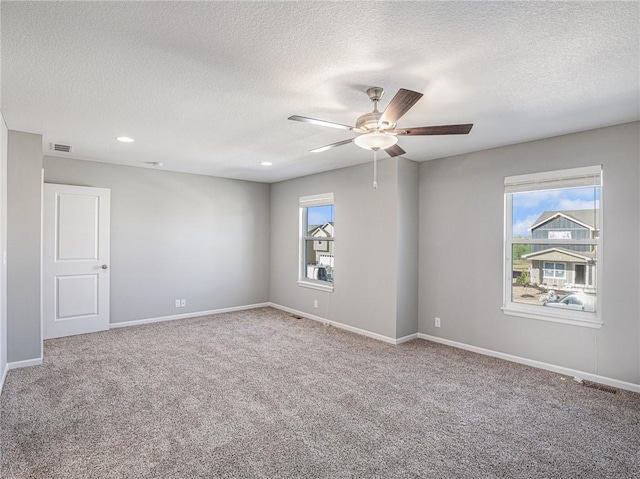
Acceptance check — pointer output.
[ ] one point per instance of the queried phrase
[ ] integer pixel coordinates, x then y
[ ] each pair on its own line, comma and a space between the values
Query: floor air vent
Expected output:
600, 387
59, 147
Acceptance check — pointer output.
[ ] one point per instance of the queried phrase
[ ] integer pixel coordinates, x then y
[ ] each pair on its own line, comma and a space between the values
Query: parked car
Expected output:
575, 301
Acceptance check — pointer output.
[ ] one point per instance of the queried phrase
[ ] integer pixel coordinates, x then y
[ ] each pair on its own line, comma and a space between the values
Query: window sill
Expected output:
562, 317
320, 287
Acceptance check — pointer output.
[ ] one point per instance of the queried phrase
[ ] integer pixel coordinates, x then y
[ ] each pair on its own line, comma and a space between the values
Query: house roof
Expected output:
207, 87
313, 230
587, 218
560, 254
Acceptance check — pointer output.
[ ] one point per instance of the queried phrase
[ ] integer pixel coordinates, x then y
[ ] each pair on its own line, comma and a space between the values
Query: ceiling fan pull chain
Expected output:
375, 169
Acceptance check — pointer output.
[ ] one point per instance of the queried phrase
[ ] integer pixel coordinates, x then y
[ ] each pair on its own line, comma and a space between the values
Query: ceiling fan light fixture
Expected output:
376, 140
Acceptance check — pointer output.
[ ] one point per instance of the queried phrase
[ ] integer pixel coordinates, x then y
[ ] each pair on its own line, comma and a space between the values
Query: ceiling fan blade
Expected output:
399, 105
395, 150
332, 145
313, 121
436, 130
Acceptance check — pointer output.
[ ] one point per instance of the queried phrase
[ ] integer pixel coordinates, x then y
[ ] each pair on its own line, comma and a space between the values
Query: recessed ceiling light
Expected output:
266, 163
125, 139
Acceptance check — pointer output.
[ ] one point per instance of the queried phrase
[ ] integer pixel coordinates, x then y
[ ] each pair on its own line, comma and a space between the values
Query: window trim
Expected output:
306, 202
572, 178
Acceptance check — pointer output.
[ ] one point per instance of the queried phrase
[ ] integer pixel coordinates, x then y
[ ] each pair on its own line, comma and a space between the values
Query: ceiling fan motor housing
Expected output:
370, 122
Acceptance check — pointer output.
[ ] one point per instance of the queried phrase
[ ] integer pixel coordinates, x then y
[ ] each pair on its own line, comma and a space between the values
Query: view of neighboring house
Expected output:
567, 267
320, 253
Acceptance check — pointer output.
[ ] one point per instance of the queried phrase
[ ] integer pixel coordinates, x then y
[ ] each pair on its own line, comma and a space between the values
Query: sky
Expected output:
319, 215
527, 207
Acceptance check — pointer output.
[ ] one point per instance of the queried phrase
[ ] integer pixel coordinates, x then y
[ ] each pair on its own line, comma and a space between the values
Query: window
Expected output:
554, 270
316, 242
559, 234
553, 234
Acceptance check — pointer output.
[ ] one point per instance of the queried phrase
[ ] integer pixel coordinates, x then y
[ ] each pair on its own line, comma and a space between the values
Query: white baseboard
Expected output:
346, 327
18, 364
197, 314
536, 364
24, 364
4, 376
409, 337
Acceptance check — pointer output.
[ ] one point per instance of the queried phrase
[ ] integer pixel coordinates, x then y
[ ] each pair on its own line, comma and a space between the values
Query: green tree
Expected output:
520, 249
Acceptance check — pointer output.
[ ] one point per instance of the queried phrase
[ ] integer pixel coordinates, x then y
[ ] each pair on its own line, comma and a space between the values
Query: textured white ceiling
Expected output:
207, 87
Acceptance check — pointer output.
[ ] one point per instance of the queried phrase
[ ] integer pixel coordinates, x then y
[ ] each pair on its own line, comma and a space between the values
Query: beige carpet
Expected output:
259, 394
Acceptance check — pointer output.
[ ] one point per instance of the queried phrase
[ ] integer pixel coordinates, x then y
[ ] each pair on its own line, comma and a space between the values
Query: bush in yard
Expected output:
524, 279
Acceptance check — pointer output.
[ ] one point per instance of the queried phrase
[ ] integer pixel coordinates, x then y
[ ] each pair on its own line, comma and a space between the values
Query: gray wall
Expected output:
4, 134
178, 236
461, 238
24, 199
366, 246
407, 263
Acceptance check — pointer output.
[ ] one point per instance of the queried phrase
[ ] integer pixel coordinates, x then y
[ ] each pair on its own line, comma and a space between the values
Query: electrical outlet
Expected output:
177, 303
183, 303
437, 322
315, 303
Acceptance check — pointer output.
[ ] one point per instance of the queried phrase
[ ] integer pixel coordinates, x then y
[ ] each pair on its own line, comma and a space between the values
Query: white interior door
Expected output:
75, 260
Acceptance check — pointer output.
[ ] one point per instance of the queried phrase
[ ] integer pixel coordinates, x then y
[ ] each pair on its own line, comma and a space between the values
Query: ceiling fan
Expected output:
377, 130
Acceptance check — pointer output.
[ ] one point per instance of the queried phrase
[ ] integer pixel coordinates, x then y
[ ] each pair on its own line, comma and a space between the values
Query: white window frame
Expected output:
306, 202
569, 178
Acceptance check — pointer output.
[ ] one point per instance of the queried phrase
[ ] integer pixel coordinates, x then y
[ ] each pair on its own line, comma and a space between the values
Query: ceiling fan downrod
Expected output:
375, 95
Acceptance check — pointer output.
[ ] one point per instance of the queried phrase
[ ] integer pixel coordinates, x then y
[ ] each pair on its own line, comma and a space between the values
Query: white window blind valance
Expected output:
551, 180
316, 200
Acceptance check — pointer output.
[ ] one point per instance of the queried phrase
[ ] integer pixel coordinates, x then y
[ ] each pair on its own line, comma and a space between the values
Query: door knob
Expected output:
104, 266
